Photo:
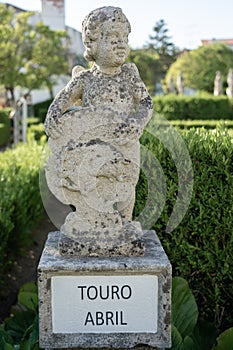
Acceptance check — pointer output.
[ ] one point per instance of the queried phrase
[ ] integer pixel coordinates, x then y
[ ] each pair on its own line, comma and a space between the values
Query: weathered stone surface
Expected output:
145, 347
106, 242
95, 153
153, 262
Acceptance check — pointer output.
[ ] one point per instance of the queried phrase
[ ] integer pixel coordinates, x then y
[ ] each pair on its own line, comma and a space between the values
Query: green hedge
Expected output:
40, 109
20, 202
193, 107
4, 126
36, 132
32, 121
201, 247
4, 135
207, 124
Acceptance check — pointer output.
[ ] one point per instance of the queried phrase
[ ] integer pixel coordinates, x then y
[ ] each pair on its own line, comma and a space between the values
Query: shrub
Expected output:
194, 107
33, 121
36, 132
41, 108
4, 126
20, 202
4, 135
207, 124
200, 248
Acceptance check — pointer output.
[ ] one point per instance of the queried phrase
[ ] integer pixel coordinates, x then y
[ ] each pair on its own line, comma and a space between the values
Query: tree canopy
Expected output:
160, 42
199, 66
149, 66
30, 56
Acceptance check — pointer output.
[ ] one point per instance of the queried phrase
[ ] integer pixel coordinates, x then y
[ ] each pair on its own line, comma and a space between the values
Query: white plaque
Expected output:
105, 304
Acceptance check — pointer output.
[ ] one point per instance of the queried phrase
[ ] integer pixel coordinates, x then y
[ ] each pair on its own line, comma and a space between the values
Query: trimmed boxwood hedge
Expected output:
4, 135
4, 126
201, 247
40, 109
20, 201
193, 107
207, 124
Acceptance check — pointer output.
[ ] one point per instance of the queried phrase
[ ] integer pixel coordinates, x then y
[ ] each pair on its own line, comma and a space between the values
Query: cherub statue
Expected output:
95, 152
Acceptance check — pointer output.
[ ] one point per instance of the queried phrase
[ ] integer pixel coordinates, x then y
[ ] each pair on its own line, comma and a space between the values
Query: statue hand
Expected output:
53, 127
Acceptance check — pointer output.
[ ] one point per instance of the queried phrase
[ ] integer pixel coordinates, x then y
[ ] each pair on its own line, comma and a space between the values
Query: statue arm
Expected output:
142, 100
64, 99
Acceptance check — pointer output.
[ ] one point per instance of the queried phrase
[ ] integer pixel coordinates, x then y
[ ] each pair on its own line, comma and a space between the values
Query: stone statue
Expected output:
180, 83
95, 152
218, 84
171, 85
229, 90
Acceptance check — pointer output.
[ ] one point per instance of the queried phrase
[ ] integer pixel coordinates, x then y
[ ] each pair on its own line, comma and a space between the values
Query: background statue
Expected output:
229, 90
171, 86
95, 152
218, 84
180, 83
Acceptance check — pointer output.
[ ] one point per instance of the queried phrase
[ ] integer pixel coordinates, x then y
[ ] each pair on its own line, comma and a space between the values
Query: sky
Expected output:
188, 21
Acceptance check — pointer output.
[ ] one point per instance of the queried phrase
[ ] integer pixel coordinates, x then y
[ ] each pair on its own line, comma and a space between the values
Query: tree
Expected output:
48, 58
199, 66
161, 43
149, 67
29, 56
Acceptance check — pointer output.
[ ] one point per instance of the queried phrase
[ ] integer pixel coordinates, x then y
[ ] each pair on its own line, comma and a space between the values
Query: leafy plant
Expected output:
20, 331
225, 340
188, 332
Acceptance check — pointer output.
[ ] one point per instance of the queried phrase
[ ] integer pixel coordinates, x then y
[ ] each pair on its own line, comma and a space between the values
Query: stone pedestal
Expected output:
105, 302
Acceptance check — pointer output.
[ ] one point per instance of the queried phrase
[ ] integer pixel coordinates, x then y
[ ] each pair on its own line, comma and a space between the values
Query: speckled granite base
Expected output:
153, 262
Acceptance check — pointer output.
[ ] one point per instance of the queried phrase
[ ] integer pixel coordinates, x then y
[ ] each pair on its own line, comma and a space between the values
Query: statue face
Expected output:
112, 46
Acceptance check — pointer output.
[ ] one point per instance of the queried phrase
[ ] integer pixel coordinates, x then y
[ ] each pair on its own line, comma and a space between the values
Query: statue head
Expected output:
101, 24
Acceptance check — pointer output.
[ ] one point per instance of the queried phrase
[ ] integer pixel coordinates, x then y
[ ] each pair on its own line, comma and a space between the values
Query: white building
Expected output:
52, 13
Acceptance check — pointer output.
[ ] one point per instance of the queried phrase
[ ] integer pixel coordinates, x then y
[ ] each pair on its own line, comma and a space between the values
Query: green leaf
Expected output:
201, 341
225, 340
29, 287
7, 346
176, 339
34, 335
188, 344
4, 336
18, 325
184, 307
6, 341
28, 299
25, 346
